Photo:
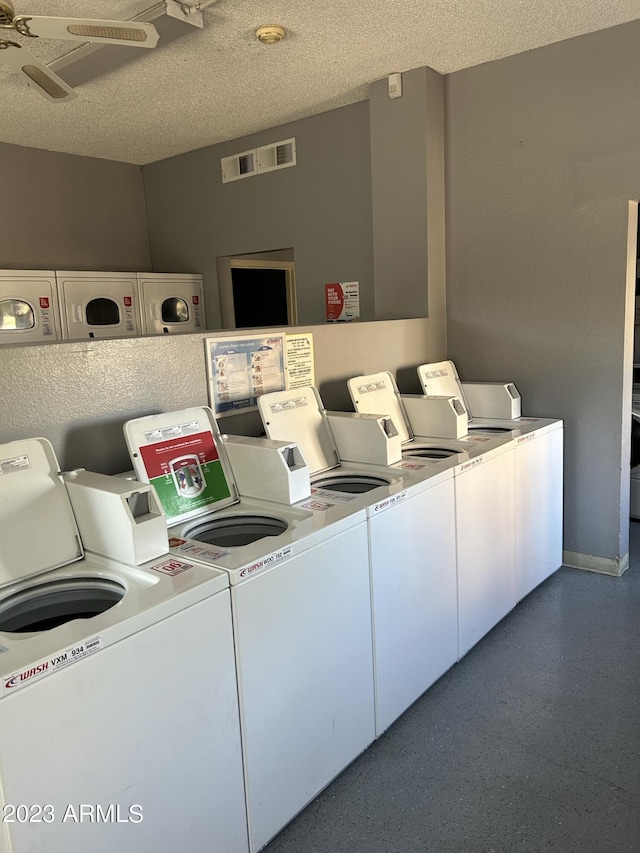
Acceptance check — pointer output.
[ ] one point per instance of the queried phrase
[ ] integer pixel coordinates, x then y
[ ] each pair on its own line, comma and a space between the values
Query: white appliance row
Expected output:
494, 407
296, 593
202, 646
41, 305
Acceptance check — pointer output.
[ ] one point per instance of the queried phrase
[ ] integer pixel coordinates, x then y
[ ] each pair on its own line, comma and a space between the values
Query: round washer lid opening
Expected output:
431, 452
351, 484
48, 605
491, 430
233, 531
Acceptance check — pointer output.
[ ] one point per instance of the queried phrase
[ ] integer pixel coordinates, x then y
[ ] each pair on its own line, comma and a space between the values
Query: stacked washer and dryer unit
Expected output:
299, 577
39, 305
118, 698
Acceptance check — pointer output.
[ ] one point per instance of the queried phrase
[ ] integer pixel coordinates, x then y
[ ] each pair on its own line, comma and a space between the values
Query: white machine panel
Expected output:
116, 518
441, 417
539, 477
285, 414
486, 543
171, 303
440, 378
183, 455
371, 439
28, 307
377, 394
414, 604
35, 512
98, 305
268, 470
303, 648
481, 399
493, 399
143, 727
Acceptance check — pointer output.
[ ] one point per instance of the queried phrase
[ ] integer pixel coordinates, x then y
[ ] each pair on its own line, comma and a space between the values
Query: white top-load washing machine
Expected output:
118, 689
98, 305
28, 307
299, 580
171, 303
411, 529
495, 406
484, 482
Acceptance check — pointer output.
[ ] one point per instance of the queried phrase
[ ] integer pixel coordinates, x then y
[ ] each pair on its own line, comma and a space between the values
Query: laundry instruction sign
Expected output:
239, 370
342, 301
186, 472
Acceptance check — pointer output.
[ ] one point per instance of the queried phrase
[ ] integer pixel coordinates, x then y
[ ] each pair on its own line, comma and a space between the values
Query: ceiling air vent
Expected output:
238, 166
279, 155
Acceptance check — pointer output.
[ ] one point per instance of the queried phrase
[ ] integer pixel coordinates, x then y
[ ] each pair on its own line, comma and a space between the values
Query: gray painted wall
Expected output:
321, 208
407, 172
59, 211
63, 211
543, 156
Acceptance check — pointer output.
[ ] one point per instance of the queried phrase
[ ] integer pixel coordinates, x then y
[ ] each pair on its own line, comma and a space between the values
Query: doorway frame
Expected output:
227, 263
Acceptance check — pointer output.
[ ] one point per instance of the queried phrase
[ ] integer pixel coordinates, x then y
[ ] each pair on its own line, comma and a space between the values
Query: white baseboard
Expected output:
615, 566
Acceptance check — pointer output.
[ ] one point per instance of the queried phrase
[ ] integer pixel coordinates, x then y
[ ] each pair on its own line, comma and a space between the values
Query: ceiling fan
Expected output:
22, 61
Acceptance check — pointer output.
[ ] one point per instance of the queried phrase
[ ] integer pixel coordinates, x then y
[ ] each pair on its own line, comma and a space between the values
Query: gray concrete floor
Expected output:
531, 743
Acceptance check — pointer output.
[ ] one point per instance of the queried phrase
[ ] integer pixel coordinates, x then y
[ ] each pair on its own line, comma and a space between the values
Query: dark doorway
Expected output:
259, 297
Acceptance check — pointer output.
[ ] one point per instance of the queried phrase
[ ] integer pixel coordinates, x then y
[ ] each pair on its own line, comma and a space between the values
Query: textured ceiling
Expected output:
220, 83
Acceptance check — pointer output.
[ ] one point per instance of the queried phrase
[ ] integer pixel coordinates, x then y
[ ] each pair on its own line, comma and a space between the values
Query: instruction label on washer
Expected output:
17, 463
47, 666
197, 552
185, 470
436, 374
412, 464
338, 497
171, 567
369, 387
287, 405
319, 506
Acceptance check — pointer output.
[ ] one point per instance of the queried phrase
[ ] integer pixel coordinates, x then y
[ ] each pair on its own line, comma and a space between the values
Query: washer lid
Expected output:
298, 415
440, 379
377, 394
37, 527
182, 455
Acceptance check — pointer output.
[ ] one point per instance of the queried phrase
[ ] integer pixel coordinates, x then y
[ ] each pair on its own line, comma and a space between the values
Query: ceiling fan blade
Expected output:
33, 72
133, 33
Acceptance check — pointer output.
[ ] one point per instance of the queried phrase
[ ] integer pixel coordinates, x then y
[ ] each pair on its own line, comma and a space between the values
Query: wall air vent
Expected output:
267, 158
238, 166
279, 155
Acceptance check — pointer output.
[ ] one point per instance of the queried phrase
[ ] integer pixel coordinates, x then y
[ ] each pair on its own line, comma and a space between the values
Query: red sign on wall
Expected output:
342, 301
